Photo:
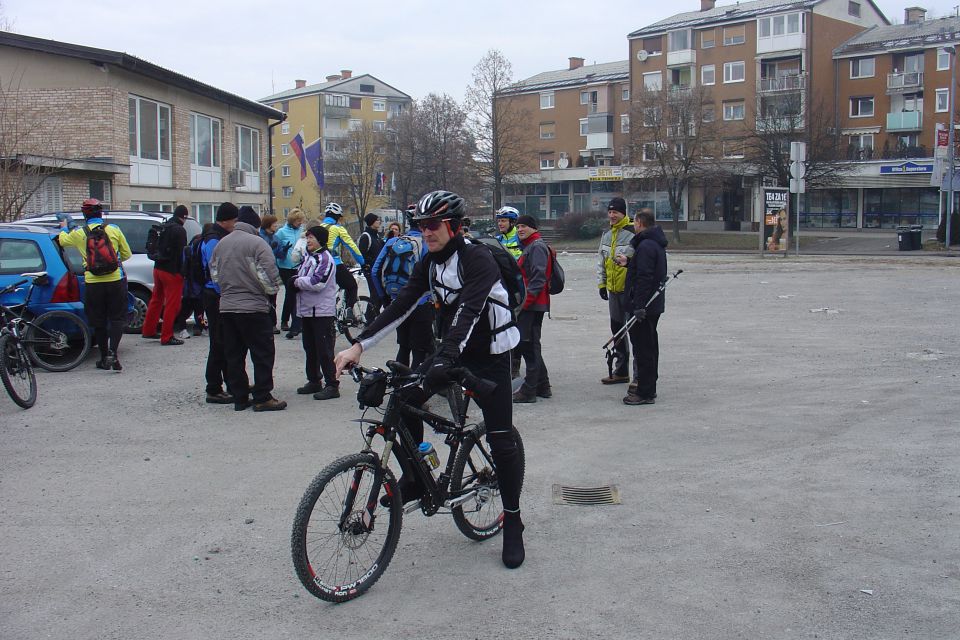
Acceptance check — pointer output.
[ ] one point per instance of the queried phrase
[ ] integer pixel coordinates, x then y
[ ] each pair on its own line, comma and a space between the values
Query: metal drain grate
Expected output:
586, 495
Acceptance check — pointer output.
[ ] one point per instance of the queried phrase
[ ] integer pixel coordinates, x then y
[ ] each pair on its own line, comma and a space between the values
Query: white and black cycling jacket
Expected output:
474, 312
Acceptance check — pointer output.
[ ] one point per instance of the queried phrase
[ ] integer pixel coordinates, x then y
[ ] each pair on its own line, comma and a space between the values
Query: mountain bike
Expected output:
343, 537
56, 340
351, 327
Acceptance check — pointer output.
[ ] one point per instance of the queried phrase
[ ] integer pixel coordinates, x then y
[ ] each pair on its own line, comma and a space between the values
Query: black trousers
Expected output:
289, 311
646, 354
617, 304
530, 324
188, 307
348, 283
415, 336
376, 303
105, 305
253, 333
216, 373
318, 346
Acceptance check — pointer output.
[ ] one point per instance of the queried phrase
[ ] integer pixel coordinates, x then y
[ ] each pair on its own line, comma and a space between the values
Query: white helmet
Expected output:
333, 209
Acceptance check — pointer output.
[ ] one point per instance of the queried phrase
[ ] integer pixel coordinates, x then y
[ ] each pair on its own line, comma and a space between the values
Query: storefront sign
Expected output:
598, 174
906, 167
775, 228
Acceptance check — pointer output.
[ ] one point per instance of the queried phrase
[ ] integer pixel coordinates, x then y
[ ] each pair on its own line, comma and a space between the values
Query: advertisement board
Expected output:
776, 205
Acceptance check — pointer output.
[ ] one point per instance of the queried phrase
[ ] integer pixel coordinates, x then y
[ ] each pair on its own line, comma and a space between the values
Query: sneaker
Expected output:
632, 388
276, 331
292, 334
174, 341
328, 392
632, 399
284, 327
271, 404
310, 387
243, 405
184, 334
197, 329
101, 364
219, 398
544, 391
109, 360
523, 396
155, 336
116, 364
615, 379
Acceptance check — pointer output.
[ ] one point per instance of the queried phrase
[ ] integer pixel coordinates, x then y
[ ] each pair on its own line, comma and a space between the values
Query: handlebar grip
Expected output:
399, 368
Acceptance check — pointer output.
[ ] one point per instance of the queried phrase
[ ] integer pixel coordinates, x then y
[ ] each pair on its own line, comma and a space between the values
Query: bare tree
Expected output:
6, 23
675, 140
358, 165
402, 156
499, 125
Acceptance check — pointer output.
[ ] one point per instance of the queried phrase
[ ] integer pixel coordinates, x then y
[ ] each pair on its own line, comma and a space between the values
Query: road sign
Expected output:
798, 170
798, 186
798, 151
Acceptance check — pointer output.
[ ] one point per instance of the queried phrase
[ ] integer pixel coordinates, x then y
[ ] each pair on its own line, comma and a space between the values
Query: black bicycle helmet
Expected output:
439, 204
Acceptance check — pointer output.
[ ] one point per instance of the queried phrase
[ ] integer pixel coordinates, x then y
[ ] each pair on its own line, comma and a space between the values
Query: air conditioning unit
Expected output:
235, 178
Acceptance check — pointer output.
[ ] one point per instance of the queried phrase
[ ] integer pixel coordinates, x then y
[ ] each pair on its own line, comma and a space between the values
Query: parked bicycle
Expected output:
352, 327
343, 538
56, 340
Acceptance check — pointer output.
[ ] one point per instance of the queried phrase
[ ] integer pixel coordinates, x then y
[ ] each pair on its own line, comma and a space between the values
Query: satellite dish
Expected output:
642, 55
563, 163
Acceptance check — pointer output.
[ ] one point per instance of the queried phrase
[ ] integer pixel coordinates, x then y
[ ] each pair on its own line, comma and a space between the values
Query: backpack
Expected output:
101, 258
158, 241
192, 269
398, 264
557, 277
509, 270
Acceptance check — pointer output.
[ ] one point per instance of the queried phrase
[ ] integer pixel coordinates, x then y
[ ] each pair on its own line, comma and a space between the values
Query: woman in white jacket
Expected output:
316, 300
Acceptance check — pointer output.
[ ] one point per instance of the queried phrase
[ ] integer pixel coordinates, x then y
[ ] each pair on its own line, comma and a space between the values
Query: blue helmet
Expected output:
509, 213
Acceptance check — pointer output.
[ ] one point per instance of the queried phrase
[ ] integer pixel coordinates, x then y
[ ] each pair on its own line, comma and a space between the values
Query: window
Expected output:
204, 141
734, 110
733, 72
100, 189
862, 67
546, 163
625, 123
584, 127
651, 116
788, 24
331, 145
367, 88
285, 171
547, 131
287, 192
653, 81
679, 40
333, 100
379, 105
395, 110
379, 125
708, 74
584, 97
625, 94
204, 213
708, 38
653, 46
709, 113
356, 103
546, 100
285, 128
248, 149
943, 100
733, 148
943, 60
861, 146
354, 124
284, 149
734, 35
20, 256
853, 8
861, 107
149, 129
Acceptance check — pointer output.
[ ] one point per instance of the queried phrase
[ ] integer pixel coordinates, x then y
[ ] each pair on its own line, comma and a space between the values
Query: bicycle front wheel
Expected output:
57, 340
16, 372
360, 310
339, 549
481, 517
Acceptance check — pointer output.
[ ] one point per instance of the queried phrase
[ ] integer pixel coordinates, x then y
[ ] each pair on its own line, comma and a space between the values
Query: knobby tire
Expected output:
16, 372
57, 340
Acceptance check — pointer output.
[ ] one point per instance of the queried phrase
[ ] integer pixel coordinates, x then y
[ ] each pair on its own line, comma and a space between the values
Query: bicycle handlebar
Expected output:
13, 287
481, 387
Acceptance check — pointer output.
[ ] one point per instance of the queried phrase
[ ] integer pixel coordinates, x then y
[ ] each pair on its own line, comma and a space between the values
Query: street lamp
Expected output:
952, 51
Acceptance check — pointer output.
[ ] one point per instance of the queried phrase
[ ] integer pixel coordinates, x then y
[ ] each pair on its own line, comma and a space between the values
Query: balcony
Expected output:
779, 124
599, 141
682, 58
784, 42
782, 83
904, 121
904, 82
331, 111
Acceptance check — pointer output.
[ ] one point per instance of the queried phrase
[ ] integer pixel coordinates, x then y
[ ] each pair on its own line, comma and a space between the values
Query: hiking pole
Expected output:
610, 345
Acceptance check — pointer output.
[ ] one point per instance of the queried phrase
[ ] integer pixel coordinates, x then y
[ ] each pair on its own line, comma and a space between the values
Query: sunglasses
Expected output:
432, 225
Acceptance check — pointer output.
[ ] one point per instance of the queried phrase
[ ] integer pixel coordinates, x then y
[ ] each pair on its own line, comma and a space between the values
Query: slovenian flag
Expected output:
297, 145
314, 155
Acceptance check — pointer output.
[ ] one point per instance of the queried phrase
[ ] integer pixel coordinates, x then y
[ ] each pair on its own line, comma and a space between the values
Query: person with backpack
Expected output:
340, 237
370, 244
391, 272
103, 247
506, 222
535, 265
216, 369
478, 334
316, 304
194, 279
165, 247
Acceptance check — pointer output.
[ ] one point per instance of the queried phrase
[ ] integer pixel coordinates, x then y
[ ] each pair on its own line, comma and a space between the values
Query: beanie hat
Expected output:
320, 233
527, 220
618, 204
181, 212
370, 219
227, 211
248, 215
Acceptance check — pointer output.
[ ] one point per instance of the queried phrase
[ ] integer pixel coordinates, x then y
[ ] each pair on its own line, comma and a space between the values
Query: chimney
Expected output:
706, 5
575, 63
346, 74
301, 83
914, 15
333, 77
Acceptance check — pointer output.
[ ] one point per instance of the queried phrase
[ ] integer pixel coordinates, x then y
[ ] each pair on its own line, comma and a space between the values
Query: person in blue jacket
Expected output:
288, 261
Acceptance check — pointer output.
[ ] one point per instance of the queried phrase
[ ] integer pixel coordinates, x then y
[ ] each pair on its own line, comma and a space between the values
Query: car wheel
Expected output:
140, 301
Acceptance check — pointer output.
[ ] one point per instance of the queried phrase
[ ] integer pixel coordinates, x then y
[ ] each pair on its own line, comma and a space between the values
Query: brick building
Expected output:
131, 133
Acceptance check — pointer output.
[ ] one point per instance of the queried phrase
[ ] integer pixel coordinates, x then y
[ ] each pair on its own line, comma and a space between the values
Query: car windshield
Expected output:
20, 256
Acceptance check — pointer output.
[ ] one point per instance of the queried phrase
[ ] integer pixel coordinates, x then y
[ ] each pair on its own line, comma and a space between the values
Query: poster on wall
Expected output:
776, 204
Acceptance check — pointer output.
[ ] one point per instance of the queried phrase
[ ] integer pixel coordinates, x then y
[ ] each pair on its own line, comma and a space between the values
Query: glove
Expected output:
640, 314
603, 293
438, 372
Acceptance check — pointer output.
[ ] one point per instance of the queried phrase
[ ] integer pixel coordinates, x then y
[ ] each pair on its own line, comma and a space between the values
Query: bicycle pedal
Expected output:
410, 507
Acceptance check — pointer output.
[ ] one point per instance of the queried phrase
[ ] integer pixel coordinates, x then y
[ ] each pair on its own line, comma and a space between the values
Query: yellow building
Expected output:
326, 112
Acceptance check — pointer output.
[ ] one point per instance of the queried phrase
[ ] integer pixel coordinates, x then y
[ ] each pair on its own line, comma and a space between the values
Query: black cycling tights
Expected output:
348, 283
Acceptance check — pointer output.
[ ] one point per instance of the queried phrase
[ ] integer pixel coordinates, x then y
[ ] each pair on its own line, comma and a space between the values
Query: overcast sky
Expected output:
255, 49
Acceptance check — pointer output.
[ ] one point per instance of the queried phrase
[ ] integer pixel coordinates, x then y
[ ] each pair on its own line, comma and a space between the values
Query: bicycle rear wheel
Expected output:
481, 517
16, 372
338, 550
57, 340
360, 310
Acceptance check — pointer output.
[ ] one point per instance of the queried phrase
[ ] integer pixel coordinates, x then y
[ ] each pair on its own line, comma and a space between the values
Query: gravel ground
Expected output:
797, 478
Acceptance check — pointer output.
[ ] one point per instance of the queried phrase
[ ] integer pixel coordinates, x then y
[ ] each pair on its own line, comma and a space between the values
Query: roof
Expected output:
587, 74
926, 33
136, 65
335, 84
729, 13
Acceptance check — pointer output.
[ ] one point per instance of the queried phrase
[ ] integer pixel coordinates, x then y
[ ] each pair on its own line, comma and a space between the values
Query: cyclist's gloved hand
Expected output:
640, 314
603, 293
437, 372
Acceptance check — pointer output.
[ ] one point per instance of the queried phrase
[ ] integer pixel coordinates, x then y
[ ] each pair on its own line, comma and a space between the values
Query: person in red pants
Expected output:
167, 279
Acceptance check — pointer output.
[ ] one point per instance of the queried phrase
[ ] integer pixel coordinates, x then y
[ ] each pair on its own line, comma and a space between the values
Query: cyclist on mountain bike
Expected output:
478, 334
340, 236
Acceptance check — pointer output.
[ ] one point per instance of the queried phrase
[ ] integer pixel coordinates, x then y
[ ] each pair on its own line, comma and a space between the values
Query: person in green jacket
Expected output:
507, 223
611, 278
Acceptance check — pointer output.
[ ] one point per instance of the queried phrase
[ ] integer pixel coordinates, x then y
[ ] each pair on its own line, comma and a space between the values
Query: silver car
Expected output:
139, 268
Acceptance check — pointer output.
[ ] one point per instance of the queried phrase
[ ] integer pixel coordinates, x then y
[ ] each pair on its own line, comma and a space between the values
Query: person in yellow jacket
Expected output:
507, 224
105, 294
611, 278
340, 236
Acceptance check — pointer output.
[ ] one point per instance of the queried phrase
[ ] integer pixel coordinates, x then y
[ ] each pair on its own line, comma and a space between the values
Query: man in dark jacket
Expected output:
370, 243
535, 265
216, 371
646, 269
167, 279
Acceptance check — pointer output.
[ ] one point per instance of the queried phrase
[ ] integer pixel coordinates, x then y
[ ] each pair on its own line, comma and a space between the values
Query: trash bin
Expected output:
904, 242
916, 236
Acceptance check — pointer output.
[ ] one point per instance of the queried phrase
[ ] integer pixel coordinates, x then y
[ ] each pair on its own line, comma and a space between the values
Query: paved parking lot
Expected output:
797, 478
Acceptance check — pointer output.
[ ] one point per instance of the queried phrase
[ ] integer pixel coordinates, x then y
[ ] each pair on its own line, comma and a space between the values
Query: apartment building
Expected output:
893, 97
323, 114
579, 121
130, 133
